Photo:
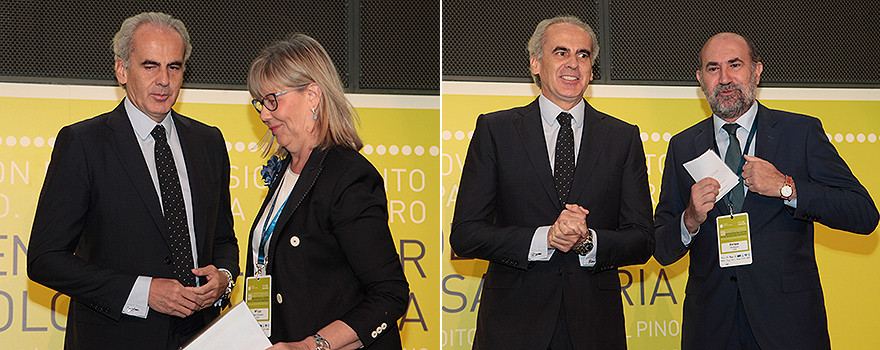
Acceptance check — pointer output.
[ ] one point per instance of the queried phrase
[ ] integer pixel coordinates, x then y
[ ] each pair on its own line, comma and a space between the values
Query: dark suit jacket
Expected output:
331, 256
507, 192
780, 290
98, 201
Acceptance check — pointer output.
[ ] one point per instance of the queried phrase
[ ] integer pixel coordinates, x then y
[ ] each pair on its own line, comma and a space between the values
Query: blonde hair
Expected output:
297, 61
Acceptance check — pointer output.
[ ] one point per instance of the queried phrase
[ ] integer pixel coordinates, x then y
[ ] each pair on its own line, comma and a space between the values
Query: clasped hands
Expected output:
170, 297
569, 229
760, 176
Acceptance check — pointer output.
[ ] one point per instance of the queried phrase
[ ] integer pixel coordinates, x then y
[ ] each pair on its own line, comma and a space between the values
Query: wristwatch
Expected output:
584, 246
787, 188
228, 286
322, 344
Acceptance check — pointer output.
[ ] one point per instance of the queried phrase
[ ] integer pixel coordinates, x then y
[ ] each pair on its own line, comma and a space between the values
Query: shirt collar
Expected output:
550, 110
745, 121
143, 125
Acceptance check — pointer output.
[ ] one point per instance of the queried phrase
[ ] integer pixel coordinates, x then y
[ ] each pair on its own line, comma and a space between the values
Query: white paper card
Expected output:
710, 165
236, 329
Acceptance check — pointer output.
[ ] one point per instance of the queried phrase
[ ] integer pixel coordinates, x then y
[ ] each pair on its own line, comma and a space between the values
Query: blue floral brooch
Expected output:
271, 169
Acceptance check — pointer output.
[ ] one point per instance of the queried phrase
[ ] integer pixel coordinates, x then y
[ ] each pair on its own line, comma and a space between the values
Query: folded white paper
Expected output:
236, 329
710, 165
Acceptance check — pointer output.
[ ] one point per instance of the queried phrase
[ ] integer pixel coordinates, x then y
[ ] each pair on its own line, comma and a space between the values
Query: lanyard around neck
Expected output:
268, 228
742, 161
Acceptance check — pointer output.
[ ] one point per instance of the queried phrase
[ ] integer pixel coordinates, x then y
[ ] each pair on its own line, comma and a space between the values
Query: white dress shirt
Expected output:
539, 250
143, 125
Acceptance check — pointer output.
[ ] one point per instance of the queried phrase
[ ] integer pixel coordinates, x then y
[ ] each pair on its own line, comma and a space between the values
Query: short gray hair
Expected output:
122, 40
539, 38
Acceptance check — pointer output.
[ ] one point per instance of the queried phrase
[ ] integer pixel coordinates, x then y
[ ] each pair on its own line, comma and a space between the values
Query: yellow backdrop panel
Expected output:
652, 295
401, 142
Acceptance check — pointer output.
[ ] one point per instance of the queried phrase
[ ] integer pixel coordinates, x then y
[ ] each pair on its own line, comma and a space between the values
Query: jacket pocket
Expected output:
503, 278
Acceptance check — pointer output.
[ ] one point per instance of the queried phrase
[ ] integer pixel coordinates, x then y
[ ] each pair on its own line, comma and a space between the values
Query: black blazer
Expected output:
332, 256
507, 192
780, 290
98, 201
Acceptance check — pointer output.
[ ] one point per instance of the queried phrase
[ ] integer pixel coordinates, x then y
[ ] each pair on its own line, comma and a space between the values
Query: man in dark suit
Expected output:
527, 187
791, 176
133, 221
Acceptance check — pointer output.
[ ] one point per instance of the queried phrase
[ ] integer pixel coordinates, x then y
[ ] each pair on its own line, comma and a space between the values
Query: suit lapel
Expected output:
272, 188
767, 135
192, 147
766, 141
121, 137
705, 140
303, 186
531, 133
593, 140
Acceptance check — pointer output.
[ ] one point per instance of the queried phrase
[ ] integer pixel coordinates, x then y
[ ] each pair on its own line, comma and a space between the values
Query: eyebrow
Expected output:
561, 48
732, 60
154, 63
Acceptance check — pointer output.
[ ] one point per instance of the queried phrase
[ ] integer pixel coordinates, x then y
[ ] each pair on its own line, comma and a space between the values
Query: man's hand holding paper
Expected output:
710, 165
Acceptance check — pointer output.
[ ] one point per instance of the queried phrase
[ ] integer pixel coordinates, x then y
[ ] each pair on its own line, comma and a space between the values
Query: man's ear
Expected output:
121, 72
759, 67
535, 65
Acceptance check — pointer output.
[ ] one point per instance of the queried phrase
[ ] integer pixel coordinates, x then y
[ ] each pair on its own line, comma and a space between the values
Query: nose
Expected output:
163, 77
572, 62
265, 114
725, 76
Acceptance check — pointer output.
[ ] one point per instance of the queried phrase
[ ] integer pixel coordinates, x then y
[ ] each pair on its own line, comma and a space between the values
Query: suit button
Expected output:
278, 298
294, 241
733, 278
559, 272
168, 260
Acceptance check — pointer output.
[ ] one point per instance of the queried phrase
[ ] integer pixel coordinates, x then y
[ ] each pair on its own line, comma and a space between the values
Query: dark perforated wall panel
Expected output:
70, 40
400, 45
803, 42
489, 39
806, 42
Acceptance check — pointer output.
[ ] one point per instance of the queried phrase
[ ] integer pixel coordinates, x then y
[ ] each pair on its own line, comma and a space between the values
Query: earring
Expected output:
314, 115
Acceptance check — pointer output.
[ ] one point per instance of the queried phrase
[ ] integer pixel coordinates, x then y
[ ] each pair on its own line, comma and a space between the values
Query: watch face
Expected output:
785, 191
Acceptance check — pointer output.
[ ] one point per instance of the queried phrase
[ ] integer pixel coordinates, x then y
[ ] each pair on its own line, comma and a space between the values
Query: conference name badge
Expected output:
258, 296
734, 240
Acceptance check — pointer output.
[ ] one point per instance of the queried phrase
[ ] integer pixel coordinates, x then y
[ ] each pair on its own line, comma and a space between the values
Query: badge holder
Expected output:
734, 240
258, 296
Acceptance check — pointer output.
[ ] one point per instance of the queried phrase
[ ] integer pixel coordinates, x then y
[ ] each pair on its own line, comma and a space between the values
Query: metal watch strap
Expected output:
584, 246
321, 343
230, 285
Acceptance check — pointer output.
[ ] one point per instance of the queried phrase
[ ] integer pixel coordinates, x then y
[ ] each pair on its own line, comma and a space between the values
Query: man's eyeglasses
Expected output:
270, 101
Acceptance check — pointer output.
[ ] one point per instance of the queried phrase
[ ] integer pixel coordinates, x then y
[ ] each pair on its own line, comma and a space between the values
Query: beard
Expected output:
735, 105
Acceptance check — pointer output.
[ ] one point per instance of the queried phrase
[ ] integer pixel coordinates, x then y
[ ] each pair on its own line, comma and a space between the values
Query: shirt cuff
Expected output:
589, 260
136, 305
538, 251
686, 236
791, 203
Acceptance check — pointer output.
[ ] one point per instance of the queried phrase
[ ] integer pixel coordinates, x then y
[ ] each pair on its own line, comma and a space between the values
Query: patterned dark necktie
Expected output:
733, 158
563, 170
175, 210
